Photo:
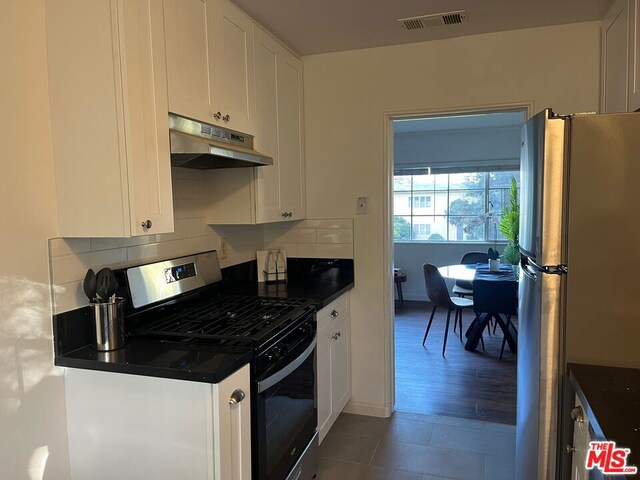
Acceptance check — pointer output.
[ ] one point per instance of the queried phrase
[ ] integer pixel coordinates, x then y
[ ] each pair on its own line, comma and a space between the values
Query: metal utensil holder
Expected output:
109, 321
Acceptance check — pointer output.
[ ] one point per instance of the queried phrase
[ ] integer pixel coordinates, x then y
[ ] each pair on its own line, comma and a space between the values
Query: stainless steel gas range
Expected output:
180, 302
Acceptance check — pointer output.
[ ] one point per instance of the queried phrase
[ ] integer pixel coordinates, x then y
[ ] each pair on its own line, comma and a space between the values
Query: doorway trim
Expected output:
388, 285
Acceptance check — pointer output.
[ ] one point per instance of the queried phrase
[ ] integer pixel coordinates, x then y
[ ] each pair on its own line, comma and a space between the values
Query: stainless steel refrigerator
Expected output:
579, 284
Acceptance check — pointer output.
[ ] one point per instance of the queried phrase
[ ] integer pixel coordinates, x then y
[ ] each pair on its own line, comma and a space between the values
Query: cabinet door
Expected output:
145, 116
189, 54
268, 199
615, 48
324, 383
634, 53
233, 79
232, 427
341, 366
290, 134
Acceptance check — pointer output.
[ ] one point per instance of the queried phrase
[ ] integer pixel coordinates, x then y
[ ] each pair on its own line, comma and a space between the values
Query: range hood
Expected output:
201, 146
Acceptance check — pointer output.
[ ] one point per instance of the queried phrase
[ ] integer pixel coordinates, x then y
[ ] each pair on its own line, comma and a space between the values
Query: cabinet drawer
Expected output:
338, 309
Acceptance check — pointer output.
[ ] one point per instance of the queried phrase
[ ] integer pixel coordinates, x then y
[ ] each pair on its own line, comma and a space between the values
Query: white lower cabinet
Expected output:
135, 427
334, 365
581, 439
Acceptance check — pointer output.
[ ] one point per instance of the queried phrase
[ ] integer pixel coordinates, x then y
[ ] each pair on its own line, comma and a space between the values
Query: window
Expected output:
420, 201
455, 207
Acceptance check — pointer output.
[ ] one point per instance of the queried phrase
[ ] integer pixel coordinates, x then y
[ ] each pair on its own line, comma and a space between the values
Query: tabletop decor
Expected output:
494, 259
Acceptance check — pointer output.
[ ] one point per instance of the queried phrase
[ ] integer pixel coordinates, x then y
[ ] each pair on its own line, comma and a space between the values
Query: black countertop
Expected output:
611, 398
200, 363
320, 280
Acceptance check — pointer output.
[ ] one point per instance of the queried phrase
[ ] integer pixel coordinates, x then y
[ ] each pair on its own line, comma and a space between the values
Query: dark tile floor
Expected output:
411, 446
474, 385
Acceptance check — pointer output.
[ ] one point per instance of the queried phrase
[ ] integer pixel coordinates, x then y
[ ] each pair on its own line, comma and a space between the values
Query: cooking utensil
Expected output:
106, 284
89, 285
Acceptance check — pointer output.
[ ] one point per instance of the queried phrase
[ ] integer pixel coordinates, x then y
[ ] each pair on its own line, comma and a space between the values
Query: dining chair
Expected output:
464, 288
438, 293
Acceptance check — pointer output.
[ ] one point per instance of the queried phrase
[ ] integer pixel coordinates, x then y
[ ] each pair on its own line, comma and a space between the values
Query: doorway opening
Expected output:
453, 180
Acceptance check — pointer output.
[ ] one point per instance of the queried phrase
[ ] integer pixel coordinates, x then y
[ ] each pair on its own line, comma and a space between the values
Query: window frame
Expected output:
487, 208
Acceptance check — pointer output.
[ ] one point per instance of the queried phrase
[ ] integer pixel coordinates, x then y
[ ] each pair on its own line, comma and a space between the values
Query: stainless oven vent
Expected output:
419, 22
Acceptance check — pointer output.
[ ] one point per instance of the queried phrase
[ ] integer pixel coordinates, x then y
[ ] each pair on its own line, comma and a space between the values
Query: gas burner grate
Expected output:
231, 317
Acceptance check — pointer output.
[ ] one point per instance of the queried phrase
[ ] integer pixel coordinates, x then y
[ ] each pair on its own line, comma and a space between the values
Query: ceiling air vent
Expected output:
433, 20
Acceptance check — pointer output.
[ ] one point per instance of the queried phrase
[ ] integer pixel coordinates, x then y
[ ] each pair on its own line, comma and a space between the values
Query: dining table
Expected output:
495, 296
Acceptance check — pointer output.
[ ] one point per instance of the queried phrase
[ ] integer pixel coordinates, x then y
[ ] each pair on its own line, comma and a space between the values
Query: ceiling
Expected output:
459, 122
322, 26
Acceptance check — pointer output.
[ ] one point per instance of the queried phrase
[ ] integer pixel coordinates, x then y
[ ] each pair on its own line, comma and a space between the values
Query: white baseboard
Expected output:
367, 409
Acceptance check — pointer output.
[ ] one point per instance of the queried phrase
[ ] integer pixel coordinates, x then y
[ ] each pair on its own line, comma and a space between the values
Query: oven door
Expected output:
286, 415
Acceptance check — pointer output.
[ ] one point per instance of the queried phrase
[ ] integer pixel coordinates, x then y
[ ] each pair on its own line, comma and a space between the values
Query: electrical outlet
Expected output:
362, 207
222, 251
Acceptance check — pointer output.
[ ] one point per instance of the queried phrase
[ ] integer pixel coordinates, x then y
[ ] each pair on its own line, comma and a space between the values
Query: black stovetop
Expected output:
238, 319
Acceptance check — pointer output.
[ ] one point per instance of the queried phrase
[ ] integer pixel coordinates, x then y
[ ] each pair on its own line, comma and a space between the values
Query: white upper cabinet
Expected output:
621, 57
210, 63
634, 55
615, 57
272, 193
280, 187
189, 54
291, 131
233, 77
108, 102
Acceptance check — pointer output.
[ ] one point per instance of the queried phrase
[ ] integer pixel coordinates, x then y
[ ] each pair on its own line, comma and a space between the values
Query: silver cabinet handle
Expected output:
147, 224
217, 115
334, 313
334, 336
577, 414
236, 397
570, 449
226, 118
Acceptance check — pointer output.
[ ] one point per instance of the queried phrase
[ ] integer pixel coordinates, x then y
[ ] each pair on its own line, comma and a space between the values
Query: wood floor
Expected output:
473, 385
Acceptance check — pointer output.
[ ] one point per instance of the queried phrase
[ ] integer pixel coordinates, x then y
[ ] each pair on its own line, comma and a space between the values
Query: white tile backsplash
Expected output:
189, 246
290, 248
72, 268
71, 257
111, 243
334, 235
327, 223
152, 250
324, 238
68, 246
289, 234
325, 250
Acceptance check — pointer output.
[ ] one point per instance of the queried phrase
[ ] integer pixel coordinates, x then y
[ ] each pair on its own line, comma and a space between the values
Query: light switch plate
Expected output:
362, 207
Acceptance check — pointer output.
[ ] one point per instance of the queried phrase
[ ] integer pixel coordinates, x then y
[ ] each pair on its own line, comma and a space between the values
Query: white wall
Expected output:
410, 257
346, 97
33, 438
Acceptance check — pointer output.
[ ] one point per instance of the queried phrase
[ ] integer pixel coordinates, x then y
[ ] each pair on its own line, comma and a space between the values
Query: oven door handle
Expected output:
282, 373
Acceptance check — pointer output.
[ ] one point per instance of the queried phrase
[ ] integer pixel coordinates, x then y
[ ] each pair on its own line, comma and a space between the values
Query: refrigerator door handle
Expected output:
529, 272
548, 269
